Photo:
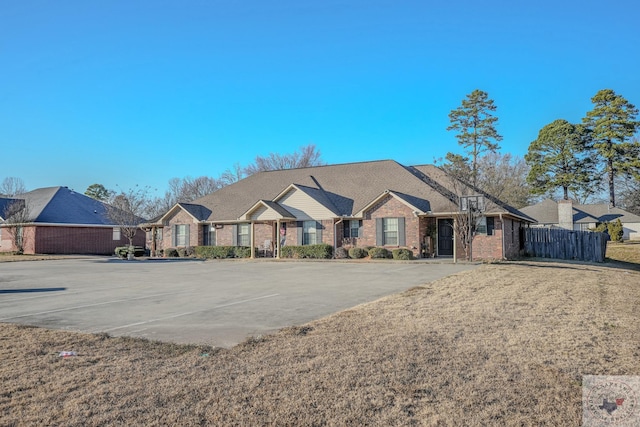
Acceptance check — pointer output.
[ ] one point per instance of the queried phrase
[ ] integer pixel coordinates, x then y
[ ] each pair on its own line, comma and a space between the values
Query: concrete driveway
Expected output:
218, 303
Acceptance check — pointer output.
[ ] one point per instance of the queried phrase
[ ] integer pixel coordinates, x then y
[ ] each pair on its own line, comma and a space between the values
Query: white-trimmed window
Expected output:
352, 228
116, 233
244, 238
209, 235
390, 231
182, 235
309, 236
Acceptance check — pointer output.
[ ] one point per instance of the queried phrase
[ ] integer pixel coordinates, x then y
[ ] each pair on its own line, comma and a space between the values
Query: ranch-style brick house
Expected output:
378, 203
62, 221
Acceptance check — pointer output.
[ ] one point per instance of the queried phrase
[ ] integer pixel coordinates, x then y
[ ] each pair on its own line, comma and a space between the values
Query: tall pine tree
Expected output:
612, 122
559, 158
475, 125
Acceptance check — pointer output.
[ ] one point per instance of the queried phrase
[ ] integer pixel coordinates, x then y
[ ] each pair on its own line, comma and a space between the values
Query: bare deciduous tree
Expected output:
16, 215
505, 178
12, 186
126, 210
234, 174
306, 156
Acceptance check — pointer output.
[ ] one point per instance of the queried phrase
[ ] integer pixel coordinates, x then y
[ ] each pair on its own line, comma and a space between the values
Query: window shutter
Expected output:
491, 225
234, 235
402, 241
379, 232
300, 230
186, 239
318, 232
345, 230
360, 228
174, 235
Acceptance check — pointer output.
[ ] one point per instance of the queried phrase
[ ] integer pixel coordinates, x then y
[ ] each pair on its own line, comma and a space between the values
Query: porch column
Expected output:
253, 238
455, 246
153, 241
278, 239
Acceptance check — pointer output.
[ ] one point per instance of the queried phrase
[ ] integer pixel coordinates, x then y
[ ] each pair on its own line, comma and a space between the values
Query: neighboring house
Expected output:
381, 203
566, 214
61, 221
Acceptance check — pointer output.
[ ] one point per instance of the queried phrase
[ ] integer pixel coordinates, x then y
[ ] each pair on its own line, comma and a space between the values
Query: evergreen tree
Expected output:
475, 125
98, 192
559, 158
612, 122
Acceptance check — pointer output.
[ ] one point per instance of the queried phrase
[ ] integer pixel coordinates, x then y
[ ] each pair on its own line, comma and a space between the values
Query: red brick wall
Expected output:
180, 217
28, 242
390, 207
488, 247
79, 240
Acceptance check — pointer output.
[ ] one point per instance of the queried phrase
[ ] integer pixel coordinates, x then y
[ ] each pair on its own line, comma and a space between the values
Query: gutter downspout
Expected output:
253, 239
504, 255
455, 246
278, 237
335, 236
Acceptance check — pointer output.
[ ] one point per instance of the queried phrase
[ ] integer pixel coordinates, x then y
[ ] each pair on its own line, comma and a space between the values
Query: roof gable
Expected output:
306, 203
417, 205
266, 210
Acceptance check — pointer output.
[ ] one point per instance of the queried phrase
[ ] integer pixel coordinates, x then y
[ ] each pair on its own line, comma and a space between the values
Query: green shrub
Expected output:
171, 253
357, 253
181, 252
402, 254
602, 227
341, 253
123, 251
222, 252
242, 252
379, 253
321, 251
615, 230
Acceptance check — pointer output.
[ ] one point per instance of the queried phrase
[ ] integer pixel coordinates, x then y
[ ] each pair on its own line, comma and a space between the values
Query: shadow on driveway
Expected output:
31, 290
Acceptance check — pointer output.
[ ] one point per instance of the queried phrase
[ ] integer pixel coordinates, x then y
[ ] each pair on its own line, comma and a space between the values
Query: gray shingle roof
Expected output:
60, 205
546, 212
5, 202
199, 212
344, 188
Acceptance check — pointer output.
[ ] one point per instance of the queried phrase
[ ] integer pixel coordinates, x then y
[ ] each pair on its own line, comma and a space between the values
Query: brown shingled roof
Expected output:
345, 188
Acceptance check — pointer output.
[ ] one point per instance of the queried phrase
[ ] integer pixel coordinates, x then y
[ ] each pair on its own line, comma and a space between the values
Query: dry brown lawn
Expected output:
506, 344
628, 251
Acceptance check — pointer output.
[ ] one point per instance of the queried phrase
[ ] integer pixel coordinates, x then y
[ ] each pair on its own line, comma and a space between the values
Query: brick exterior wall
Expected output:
416, 233
488, 247
70, 240
179, 218
390, 207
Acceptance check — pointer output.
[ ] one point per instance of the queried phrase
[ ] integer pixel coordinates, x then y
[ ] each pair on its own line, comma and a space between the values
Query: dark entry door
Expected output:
445, 237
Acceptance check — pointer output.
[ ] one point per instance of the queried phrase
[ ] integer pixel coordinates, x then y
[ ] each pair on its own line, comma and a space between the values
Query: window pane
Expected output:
481, 225
390, 229
309, 233
244, 239
116, 234
181, 235
354, 227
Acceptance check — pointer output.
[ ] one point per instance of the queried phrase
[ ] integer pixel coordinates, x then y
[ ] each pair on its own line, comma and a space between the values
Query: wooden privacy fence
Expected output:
565, 244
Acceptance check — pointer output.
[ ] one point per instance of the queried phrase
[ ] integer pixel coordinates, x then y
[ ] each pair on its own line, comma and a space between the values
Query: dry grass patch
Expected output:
628, 251
506, 344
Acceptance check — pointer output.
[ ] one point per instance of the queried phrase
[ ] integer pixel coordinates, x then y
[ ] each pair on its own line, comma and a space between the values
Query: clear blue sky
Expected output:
139, 91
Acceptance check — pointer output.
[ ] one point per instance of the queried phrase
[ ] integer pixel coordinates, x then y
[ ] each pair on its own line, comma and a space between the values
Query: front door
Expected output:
445, 237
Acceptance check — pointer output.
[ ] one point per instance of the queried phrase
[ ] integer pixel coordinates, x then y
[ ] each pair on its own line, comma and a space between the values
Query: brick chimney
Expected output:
565, 214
